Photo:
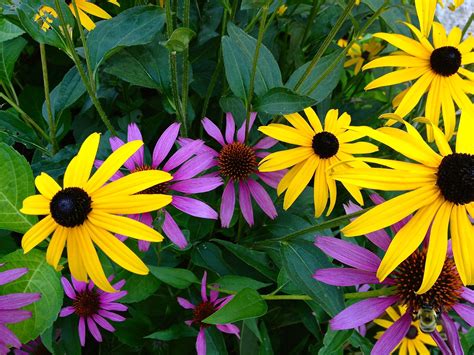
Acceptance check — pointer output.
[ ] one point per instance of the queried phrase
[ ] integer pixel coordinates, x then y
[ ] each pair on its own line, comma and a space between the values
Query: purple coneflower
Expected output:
447, 293
93, 306
238, 164
10, 311
184, 167
201, 311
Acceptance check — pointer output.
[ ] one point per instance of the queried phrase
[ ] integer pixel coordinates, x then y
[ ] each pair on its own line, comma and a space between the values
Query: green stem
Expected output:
325, 44
312, 16
15, 96
185, 84
386, 291
269, 297
51, 122
467, 25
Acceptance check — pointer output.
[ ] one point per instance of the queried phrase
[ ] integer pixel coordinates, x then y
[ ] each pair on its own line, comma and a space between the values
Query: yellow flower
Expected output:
452, 5
342, 42
45, 17
361, 53
281, 10
85, 211
85, 7
437, 69
441, 192
318, 150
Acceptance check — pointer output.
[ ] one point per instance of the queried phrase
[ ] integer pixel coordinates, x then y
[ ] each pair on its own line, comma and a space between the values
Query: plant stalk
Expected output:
185, 84
386, 291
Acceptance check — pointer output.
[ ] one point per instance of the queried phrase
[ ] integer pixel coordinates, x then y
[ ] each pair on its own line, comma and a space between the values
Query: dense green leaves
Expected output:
9, 53
179, 39
279, 101
179, 278
8, 30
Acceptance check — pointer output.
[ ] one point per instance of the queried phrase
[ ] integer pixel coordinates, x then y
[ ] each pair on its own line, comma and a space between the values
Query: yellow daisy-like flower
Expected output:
437, 69
85, 7
85, 211
441, 192
361, 53
281, 10
452, 5
45, 17
415, 341
318, 150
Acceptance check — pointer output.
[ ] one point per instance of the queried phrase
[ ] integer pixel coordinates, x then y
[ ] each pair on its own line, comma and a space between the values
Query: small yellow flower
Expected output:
361, 53
85, 7
281, 10
451, 5
45, 17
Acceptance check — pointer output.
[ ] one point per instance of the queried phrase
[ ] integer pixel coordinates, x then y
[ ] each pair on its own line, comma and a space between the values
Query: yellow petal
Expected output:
330, 122
80, 168
288, 178
285, 158
313, 119
411, 348
397, 60
467, 58
46, 185
466, 46
439, 35
56, 246
437, 248
131, 204
406, 44
95, 10
300, 181
383, 323
76, 266
349, 136
420, 37
35, 205
39, 232
392, 313
320, 189
414, 94
441, 142
402, 165
454, 37
287, 134
462, 236
455, 84
425, 9
358, 148
397, 77
464, 141
72, 170
449, 112
342, 123
332, 188
299, 123
85, 20
354, 191
433, 105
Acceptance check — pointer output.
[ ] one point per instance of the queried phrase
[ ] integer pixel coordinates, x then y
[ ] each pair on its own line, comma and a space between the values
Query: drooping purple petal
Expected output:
227, 204
262, 198
452, 333
111, 315
272, 179
66, 311
8, 337
103, 323
229, 329
82, 331
442, 344
134, 134
111, 297
183, 302
245, 202
213, 130
14, 316
201, 342
465, 312
194, 166
348, 253
12, 275
183, 154
221, 302
204, 287
265, 143
79, 286
214, 294
345, 276
393, 335
241, 131
113, 307
120, 284
194, 207
68, 289
197, 185
93, 329
164, 144
229, 127
361, 312
467, 294
116, 143
173, 232
18, 300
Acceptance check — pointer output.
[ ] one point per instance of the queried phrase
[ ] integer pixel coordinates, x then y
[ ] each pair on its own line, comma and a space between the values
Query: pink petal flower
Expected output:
164, 144
227, 204
229, 128
393, 335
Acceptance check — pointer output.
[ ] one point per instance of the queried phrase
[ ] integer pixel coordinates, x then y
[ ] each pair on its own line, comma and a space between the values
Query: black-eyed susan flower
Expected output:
84, 212
360, 53
45, 17
441, 192
317, 150
86, 8
437, 68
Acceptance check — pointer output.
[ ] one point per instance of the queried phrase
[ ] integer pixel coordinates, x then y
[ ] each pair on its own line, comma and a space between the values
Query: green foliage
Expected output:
179, 278
279, 101
8, 30
9, 52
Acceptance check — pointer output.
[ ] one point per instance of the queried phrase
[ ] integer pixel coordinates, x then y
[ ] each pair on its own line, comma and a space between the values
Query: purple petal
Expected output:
227, 204
134, 134
221, 302
265, 143
111, 315
183, 302
272, 179
114, 306
205, 150
262, 198
79, 286
393, 335
441, 344
201, 342
204, 287
164, 144
229, 329
467, 294
194, 166
116, 143
119, 285
111, 297
68, 290
93, 329
361, 312
345, 276
452, 333
214, 294
183, 154
143, 245
213, 130
172, 231
348, 253
18, 300
229, 127
241, 131
193, 207
245, 202
12, 275
197, 185
103, 323
465, 312
14, 316
7, 337
82, 331
262, 154
66, 311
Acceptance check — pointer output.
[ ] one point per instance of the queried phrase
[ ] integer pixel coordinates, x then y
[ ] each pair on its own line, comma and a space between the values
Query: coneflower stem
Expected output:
185, 84
386, 291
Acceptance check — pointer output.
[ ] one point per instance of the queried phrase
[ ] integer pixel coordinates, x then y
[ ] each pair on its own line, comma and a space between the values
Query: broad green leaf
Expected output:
215, 342
266, 346
279, 101
179, 278
252, 4
237, 283
179, 39
244, 305
176, 331
334, 341
362, 343
8, 30
234, 105
209, 256
16, 184
138, 287
9, 53
301, 259
134, 26
238, 51
41, 278
11, 122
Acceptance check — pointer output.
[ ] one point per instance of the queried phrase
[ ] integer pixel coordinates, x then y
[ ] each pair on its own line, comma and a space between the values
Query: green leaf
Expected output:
179, 39
176, 331
238, 51
9, 53
244, 305
215, 342
13, 124
179, 278
138, 287
237, 283
301, 259
16, 183
279, 101
8, 30
252, 4
361, 342
134, 26
41, 278
333, 341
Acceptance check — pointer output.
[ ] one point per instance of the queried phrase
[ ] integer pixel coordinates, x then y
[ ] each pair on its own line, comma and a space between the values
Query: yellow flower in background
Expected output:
451, 5
359, 53
317, 150
281, 10
85, 7
45, 17
438, 70
343, 41
85, 212
441, 192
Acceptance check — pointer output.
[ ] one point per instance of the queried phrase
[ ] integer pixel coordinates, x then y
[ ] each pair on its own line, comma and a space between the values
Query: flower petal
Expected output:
229, 127
194, 207
262, 198
227, 204
46, 185
164, 144
36, 205
173, 232
39, 232
213, 130
393, 335
345, 277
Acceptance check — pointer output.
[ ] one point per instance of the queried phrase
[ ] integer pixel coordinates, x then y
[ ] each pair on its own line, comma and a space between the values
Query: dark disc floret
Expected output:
412, 332
456, 178
325, 144
445, 61
365, 55
237, 161
70, 206
201, 312
87, 303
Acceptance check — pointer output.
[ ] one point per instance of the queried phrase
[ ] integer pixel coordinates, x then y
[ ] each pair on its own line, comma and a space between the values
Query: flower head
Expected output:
93, 306
184, 166
318, 150
45, 17
10, 308
360, 53
438, 69
83, 212
237, 162
204, 309
85, 7
452, 5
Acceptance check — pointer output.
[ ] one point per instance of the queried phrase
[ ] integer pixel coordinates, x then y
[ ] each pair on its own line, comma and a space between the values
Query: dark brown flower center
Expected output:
325, 144
456, 178
237, 161
87, 303
441, 297
412, 333
70, 206
162, 188
365, 55
201, 312
445, 61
